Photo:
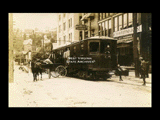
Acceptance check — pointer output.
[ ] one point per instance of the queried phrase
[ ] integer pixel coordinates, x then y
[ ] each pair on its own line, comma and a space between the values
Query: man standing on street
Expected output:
119, 70
144, 70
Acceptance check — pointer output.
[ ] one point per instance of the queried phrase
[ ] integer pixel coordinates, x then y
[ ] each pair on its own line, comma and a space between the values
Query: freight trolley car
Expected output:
91, 58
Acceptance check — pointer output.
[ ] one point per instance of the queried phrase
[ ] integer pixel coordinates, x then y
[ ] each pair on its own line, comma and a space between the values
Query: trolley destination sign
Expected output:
81, 27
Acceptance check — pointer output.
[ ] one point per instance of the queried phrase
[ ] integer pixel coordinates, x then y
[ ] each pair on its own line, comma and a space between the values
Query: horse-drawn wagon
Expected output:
52, 69
55, 69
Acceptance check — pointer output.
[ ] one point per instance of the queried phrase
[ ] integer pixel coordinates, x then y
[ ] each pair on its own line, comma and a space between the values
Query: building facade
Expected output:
66, 32
90, 20
120, 27
116, 25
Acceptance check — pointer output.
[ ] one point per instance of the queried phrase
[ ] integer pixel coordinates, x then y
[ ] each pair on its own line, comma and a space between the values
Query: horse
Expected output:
36, 69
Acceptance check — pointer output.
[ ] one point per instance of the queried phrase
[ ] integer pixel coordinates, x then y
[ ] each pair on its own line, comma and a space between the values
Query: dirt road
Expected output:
74, 92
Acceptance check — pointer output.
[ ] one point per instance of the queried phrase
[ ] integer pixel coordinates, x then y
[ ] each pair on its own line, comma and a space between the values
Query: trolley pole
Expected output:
135, 49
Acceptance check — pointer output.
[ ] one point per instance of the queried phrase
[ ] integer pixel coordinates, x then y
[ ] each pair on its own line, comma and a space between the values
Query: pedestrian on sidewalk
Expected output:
119, 71
139, 64
144, 70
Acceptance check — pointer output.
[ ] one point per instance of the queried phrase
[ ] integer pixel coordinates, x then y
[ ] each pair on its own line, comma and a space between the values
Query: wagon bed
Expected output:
52, 67
56, 69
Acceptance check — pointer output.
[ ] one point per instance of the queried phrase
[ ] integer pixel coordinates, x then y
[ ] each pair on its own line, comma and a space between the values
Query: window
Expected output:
70, 37
94, 47
74, 49
59, 28
64, 26
106, 28
103, 28
100, 17
109, 35
86, 34
82, 48
80, 35
104, 47
120, 23
59, 17
138, 18
69, 23
125, 20
115, 24
111, 14
64, 38
130, 19
122, 51
99, 28
104, 15
59, 41
64, 15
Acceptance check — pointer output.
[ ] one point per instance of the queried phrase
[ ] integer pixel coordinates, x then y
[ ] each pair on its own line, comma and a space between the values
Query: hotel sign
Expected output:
81, 27
127, 31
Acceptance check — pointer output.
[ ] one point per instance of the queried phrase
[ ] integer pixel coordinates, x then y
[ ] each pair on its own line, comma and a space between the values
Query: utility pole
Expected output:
135, 49
11, 65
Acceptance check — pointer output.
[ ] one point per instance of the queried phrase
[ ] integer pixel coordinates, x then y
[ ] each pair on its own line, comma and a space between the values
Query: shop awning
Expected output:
87, 15
124, 41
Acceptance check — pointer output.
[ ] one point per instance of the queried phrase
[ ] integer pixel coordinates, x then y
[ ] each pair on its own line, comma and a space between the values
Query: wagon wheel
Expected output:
61, 70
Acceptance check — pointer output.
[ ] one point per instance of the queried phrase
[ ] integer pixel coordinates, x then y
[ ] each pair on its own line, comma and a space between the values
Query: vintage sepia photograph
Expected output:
79, 60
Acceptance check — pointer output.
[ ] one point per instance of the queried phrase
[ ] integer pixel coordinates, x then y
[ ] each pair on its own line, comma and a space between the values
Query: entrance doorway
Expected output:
125, 55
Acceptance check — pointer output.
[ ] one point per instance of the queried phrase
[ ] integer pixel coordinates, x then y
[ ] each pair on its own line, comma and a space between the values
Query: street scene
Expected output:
75, 92
80, 60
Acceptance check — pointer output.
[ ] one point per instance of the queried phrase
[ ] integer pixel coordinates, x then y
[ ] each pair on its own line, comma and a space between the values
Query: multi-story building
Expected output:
116, 25
66, 32
120, 27
91, 22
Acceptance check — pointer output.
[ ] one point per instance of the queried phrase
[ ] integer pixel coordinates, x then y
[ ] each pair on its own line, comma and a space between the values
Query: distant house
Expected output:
27, 45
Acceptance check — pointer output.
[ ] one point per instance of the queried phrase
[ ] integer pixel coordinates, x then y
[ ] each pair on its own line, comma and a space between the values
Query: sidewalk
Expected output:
132, 74
15, 90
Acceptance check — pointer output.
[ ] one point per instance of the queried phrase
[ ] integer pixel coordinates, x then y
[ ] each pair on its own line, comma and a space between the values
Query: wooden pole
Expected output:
11, 66
135, 49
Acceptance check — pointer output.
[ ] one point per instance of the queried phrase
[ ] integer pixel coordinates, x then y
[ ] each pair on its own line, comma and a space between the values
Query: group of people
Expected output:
143, 70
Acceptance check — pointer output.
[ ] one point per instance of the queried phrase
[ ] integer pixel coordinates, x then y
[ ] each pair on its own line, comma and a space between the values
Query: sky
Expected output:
35, 20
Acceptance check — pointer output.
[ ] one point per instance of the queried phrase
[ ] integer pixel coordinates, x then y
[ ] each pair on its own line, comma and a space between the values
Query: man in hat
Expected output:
143, 70
119, 71
139, 63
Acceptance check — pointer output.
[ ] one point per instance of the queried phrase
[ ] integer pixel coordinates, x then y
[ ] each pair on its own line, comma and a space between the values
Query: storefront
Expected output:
120, 27
125, 50
125, 45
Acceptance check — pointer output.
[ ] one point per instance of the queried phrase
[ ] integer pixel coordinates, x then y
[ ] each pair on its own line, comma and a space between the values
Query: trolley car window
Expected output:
94, 47
103, 46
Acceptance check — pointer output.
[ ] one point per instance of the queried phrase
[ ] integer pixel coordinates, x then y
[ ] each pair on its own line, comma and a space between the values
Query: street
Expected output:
75, 92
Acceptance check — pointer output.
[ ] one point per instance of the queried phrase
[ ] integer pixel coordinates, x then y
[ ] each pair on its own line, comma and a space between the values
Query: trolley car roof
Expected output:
91, 38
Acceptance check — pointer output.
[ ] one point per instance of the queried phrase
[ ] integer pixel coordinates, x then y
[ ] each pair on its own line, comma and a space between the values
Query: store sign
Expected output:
127, 31
81, 27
